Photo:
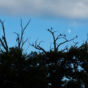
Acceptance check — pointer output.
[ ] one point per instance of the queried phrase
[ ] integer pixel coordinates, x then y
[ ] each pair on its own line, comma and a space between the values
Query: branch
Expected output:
65, 49
65, 42
37, 46
75, 43
23, 29
2, 44
24, 43
19, 38
54, 39
60, 36
3, 39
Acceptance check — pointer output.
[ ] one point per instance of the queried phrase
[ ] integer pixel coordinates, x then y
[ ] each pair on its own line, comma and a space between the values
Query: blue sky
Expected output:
37, 29
64, 16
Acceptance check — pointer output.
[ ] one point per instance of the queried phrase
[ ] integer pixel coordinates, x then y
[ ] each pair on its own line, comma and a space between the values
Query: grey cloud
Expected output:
64, 8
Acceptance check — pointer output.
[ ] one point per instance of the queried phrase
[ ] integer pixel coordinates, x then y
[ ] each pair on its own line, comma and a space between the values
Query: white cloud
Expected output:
64, 8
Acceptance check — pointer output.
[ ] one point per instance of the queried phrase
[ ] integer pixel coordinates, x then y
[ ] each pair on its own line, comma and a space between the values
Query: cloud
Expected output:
77, 9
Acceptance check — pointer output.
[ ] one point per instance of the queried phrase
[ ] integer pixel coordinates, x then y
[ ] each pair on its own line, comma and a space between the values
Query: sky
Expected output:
68, 17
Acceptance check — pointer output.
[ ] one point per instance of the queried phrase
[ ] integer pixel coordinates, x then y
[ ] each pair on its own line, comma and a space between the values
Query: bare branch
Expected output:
19, 38
24, 43
23, 30
65, 42
65, 49
3, 39
2, 44
52, 33
75, 43
55, 39
37, 46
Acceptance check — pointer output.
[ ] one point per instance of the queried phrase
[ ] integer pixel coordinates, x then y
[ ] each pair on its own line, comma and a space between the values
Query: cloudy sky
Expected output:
64, 8
65, 16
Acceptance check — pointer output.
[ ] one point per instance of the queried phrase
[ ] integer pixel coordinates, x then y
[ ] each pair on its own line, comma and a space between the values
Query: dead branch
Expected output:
37, 46
53, 35
56, 38
3, 39
75, 43
65, 49
19, 38
65, 42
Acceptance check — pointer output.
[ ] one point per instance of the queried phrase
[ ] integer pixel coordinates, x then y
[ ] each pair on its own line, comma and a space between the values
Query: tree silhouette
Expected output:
47, 69
58, 37
19, 38
56, 46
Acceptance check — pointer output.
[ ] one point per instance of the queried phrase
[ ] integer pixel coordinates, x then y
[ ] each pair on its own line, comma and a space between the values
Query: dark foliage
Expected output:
48, 69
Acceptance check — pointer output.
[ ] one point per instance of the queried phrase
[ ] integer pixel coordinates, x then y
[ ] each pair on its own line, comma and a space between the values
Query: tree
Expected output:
56, 46
47, 69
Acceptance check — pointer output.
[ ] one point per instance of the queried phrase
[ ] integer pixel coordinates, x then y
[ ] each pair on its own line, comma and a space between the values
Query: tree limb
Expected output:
55, 39
65, 42
37, 46
3, 39
19, 38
